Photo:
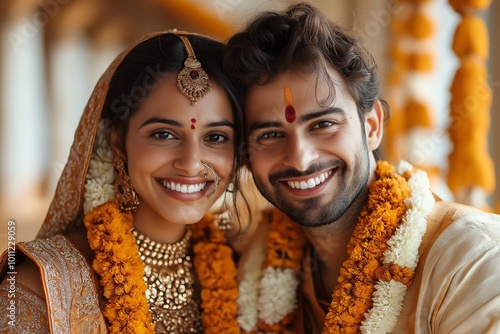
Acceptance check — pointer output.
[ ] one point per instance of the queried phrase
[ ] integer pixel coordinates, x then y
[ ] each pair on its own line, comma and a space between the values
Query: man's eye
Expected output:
322, 124
270, 135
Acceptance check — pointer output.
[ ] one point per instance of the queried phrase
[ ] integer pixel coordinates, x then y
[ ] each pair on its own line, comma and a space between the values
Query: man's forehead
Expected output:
273, 92
310, 88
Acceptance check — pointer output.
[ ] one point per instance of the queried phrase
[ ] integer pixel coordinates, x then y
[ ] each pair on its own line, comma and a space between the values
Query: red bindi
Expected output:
290, 114
193, 120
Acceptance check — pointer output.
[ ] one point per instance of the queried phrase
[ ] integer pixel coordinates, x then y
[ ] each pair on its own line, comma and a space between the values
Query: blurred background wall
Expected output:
52, 52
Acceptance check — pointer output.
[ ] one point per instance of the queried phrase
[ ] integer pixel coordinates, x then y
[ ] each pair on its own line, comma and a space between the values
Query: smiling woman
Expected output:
129, 240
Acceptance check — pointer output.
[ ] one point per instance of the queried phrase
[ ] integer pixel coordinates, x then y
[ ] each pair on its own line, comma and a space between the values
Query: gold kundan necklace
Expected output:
170, 284
117, 260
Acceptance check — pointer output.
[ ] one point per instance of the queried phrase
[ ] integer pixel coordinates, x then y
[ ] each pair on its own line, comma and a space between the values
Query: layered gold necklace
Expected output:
118, 262
168, 274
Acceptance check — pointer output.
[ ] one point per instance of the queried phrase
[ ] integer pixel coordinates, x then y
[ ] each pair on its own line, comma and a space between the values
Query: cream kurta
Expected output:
456, 288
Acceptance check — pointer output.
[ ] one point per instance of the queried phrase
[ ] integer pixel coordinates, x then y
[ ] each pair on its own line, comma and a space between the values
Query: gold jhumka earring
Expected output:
192, 80
223, 222
125, 194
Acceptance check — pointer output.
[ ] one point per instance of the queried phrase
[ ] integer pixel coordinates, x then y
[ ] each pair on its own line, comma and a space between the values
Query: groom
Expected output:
387, 255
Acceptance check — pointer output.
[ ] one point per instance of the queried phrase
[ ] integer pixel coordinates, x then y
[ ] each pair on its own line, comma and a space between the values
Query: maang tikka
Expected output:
192, 80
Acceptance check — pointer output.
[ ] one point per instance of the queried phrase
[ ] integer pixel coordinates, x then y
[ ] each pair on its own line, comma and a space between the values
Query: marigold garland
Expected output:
216, 271
121, 271
401, 256
352, 297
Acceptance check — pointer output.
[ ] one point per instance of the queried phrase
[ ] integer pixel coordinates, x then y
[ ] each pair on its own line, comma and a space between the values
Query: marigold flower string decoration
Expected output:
470, 109
412, 69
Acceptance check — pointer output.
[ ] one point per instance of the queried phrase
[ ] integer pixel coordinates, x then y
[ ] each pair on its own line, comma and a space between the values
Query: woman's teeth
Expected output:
184, 188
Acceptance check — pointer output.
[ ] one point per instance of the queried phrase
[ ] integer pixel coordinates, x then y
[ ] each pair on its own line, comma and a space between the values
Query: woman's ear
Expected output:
374, 125
116, 145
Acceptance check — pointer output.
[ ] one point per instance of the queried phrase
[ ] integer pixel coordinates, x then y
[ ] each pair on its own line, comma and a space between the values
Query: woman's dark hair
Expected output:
145, 66
302, 39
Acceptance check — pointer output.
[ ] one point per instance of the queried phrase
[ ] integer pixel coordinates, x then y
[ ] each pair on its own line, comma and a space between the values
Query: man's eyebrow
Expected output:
319, 113
263, 125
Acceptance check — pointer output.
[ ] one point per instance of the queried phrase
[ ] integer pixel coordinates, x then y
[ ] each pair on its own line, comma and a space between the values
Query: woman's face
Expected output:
166, 141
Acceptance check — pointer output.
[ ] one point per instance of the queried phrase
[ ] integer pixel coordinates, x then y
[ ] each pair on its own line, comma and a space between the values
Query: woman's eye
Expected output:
162, 135
217, 138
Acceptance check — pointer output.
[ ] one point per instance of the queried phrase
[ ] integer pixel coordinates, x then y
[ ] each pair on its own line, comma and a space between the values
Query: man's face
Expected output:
309, 158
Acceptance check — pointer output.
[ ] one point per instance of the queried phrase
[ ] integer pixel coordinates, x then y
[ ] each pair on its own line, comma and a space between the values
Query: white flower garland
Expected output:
100, 178
277, 294
403, 250
268, 294
249, 285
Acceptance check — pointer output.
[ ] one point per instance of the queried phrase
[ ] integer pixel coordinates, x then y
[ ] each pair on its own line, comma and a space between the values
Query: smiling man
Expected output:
381, 253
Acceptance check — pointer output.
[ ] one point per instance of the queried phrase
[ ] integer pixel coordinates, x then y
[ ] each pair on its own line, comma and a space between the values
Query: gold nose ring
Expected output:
217, 178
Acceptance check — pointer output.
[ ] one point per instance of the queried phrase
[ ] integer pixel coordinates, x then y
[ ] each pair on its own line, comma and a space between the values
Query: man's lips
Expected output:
310, 182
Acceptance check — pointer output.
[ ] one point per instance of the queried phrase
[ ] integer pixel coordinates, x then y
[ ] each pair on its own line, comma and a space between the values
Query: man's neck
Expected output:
329, 244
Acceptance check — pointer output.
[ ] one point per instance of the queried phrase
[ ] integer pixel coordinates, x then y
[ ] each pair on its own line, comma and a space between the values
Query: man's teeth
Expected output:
184, 188
311, 183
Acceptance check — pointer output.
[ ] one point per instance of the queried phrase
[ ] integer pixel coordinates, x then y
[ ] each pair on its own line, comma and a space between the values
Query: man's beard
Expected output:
319, 210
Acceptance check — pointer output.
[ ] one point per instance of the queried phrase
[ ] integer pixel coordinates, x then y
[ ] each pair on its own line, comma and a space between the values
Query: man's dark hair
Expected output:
302, 39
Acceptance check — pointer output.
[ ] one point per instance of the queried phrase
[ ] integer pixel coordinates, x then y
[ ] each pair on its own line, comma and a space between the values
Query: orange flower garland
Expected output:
121, 270
217, 273
285, 242
378, 221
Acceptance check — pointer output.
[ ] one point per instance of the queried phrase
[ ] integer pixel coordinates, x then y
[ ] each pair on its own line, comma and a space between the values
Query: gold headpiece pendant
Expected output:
192, 80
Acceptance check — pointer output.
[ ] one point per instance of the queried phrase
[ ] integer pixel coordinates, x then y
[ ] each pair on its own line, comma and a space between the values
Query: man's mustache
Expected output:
315, 168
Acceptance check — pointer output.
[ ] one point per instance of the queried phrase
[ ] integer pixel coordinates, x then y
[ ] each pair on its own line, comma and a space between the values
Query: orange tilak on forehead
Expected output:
290, 114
